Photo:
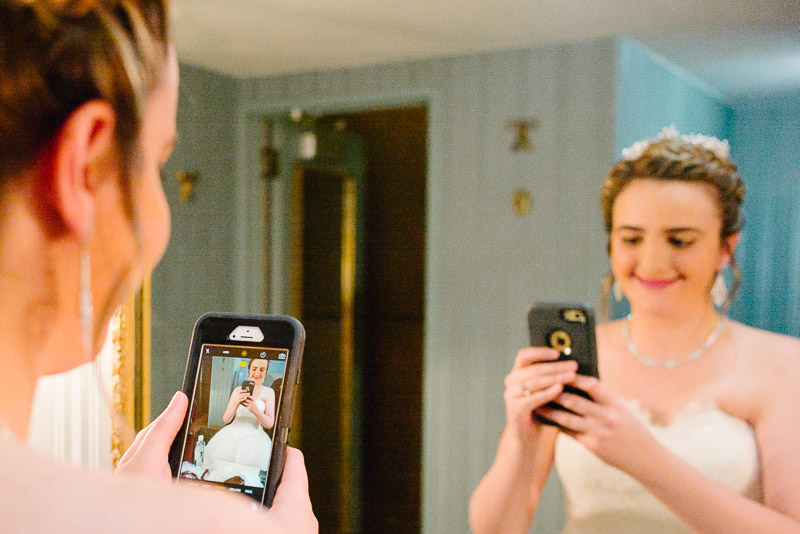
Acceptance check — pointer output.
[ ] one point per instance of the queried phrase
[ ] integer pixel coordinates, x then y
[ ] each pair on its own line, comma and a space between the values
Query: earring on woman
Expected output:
719, 291
616, 291
86, 309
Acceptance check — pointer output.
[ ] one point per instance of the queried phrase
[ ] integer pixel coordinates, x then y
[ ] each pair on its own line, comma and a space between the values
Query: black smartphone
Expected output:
227, 445
570, 329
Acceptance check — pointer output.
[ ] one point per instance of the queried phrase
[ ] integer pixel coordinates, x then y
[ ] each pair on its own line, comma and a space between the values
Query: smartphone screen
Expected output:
232, 417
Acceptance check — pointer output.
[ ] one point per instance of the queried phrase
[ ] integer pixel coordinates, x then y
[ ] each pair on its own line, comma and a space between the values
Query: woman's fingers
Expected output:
150, 450
291, 510
534, 371
580, 405
529, 355
543, 370
582, 414
540, 397
539, 376
537, 383
520, 405
570, 422
594, 388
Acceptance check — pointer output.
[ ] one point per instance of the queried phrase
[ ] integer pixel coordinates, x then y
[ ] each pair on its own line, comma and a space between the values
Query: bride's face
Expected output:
258, 370
665, 243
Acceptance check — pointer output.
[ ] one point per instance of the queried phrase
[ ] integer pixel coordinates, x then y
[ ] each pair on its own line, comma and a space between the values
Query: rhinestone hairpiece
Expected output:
720, 148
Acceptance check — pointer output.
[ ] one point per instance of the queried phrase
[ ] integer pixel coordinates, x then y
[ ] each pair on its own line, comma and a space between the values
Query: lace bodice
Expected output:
602, 499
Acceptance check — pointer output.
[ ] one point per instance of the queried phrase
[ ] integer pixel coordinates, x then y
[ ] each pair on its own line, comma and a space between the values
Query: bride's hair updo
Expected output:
56, 55
687, 158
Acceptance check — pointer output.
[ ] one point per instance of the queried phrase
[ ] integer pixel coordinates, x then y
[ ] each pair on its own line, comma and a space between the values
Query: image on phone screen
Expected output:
232, 417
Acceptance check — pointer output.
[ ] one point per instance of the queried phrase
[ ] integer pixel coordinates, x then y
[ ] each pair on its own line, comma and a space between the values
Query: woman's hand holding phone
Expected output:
242, 395
148, 453
536, 379
604, 425
291, 510
251, 404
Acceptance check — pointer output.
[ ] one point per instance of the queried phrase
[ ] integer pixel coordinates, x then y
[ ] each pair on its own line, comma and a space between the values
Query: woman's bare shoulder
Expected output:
769, 361
42, 495
763, 347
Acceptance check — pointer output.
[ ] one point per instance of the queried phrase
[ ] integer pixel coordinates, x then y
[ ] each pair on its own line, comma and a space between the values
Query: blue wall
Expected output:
653, 93
766, 145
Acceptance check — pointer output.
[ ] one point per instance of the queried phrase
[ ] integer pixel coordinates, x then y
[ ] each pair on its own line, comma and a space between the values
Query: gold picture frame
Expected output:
130, 371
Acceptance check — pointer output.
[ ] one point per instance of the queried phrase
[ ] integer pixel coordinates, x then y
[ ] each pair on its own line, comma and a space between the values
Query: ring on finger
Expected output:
524, 389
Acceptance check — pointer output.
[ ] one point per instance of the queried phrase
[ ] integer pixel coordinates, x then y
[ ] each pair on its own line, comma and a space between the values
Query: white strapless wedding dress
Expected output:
240, 449
601, 499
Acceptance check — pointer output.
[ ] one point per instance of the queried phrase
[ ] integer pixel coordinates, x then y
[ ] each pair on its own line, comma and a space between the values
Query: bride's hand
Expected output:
148, 455
605, 426
250, 404
242, 395
535, 380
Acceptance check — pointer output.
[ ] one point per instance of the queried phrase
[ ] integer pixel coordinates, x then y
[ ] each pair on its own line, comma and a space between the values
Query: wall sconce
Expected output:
187, 181
521, 202
522, 139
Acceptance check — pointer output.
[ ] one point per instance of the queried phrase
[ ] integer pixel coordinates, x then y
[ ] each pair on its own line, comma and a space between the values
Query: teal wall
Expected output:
653, 93
766, 145
195, 275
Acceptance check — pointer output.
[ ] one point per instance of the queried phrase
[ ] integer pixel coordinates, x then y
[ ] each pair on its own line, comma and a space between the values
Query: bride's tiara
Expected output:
720, 148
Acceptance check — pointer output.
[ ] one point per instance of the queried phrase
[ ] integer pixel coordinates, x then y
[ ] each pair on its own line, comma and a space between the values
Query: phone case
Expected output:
569, 328
214, 327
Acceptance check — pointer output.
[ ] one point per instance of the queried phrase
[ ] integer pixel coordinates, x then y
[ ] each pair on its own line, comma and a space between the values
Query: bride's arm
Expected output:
608, 430
507, 497
267, 417
237, 395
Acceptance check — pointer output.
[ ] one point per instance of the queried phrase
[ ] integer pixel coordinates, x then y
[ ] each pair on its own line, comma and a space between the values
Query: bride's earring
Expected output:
719, 291
616, 291
86, 309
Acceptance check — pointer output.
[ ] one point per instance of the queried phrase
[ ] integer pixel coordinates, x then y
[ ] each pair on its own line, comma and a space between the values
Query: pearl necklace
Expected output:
671, 364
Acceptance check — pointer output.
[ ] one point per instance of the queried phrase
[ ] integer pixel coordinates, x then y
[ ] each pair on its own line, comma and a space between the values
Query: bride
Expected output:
243, 448
695, 424
88, 110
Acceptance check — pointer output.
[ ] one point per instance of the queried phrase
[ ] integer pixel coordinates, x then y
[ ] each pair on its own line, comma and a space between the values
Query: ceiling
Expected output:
737, 46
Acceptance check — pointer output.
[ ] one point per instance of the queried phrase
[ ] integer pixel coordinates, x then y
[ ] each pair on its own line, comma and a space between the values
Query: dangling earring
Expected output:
719, 291
617, 291
86, 309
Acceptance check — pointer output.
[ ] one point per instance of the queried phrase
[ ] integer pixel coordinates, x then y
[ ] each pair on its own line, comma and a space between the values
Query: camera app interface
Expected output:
233, 416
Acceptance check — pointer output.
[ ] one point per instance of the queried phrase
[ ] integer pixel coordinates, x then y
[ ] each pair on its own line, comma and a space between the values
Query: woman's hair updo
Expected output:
687, 158
56, 55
